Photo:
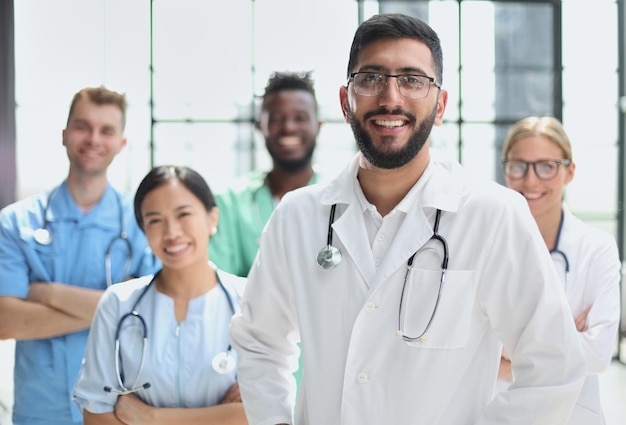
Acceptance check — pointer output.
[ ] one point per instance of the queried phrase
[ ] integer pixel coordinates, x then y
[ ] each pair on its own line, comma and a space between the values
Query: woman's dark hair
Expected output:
163, 174
394, 25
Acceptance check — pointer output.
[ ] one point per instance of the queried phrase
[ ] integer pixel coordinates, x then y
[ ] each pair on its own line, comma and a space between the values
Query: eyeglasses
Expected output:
545, 169
373, 84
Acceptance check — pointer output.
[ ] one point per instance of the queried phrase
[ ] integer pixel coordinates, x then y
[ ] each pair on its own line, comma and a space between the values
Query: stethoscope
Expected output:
222, 363
556, 249
43, 236
330, 256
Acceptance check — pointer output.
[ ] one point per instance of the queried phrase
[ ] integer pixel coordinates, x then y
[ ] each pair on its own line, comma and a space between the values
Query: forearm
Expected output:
73, 300
221, 414
22, 319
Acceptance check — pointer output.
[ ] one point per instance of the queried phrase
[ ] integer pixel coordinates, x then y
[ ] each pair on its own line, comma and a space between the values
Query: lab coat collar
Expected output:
439, 187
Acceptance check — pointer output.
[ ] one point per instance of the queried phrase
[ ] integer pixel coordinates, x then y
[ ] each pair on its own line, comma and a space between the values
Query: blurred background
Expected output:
192, 71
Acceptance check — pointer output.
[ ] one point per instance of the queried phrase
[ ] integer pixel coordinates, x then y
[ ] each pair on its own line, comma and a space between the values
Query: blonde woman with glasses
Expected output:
537, 160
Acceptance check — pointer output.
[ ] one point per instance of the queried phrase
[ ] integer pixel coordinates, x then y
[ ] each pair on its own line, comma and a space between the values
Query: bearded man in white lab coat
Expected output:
401, 276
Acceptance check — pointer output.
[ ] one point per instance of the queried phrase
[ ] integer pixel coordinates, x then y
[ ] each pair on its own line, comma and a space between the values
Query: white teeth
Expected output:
389, 124
532, 195
175, 249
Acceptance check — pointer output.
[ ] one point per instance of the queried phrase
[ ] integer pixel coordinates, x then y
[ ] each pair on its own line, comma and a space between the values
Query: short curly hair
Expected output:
280, 81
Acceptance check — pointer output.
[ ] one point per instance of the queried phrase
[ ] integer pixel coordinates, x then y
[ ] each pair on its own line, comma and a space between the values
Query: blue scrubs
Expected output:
46, 369
178, 356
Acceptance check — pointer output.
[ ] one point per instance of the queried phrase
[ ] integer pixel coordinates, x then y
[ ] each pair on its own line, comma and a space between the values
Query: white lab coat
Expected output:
500, 286
593, 279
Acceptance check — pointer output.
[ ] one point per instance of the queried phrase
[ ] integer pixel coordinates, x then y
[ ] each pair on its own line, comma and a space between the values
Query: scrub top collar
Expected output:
64, 208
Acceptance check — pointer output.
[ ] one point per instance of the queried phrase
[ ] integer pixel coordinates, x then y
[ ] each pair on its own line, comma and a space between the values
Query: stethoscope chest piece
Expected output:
328, 257
223, 363
42, 236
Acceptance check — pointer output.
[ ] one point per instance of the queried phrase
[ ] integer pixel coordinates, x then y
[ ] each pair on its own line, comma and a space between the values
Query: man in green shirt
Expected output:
290, 124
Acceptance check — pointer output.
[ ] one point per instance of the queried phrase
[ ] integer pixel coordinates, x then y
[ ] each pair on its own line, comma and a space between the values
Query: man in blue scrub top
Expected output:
58, 251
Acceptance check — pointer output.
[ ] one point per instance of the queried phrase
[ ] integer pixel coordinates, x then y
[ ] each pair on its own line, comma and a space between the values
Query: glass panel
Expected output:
444, 19
304, 36
335, 148
478, 56
211, 149
201, 66
594, 188
478, 150
524, 60
446, 139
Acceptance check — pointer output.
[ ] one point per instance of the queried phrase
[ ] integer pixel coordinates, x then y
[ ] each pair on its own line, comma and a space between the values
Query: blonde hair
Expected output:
546, 126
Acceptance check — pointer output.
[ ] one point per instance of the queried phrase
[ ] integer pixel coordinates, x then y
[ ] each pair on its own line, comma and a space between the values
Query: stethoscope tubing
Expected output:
442, 280
558, 251
43, 236
330, 256
135, 314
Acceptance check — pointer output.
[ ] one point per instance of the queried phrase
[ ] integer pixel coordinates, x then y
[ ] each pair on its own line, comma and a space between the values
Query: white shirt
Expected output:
500, 286
178, 356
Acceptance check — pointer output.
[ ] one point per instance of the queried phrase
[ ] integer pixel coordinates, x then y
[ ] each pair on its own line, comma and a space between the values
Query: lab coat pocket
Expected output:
446, 303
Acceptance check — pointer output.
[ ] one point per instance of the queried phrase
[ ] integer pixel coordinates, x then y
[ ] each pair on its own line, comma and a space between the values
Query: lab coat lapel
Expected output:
351, 232
441, 190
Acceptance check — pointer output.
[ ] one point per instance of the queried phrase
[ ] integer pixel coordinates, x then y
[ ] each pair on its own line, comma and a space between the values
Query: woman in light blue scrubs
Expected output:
158, 349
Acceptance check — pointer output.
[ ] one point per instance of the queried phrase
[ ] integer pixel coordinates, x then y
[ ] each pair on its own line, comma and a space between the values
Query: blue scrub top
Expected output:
178, 356
46, 369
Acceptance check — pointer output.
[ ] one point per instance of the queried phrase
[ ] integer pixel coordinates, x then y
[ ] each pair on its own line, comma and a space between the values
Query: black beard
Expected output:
391, 160
293, 165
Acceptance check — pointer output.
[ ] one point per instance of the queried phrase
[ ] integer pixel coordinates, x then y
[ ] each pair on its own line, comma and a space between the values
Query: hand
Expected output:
581, 320
232, 395
132, 411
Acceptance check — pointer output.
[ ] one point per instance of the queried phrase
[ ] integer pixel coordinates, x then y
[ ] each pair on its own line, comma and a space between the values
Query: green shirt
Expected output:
244, 208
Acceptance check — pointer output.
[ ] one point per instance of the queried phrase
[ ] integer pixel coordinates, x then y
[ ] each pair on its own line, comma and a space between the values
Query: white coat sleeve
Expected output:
528, 311
602, 277
265, 333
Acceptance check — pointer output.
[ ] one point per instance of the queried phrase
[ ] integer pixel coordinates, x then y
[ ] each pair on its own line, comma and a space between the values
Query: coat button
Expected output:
362, 377
370, 306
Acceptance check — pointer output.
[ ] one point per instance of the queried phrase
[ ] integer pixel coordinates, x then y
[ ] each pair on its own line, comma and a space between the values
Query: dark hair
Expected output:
163, 174
280, 81
100, 96
395, 25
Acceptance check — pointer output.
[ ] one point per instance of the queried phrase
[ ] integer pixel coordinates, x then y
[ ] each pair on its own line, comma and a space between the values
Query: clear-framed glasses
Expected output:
545, 169
409, 85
